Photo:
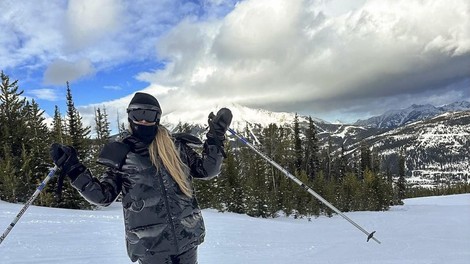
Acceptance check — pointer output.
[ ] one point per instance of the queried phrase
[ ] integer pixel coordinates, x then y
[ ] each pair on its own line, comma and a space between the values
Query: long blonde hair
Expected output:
163, 148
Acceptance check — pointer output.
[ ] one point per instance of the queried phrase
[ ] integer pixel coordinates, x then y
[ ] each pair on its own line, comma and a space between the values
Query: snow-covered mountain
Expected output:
434, 140
241, 117
396, 118
436, 150
457, 106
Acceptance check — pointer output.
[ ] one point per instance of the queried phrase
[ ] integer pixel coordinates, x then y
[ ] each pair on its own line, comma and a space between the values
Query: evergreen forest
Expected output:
248, 184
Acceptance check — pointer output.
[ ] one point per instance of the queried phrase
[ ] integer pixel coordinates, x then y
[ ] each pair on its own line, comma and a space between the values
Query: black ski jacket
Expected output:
158, 217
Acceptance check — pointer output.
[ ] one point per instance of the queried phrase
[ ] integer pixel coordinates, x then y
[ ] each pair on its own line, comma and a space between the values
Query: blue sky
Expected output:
31, 54
336, 60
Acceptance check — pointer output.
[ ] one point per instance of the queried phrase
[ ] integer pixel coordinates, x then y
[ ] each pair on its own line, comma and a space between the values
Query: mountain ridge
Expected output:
436, 148
398, 117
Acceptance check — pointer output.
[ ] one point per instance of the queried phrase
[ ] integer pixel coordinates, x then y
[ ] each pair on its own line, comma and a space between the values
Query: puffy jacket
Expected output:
158, 217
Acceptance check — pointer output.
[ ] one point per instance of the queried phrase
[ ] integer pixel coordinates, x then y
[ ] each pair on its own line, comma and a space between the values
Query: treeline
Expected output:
353, 182
250, 185
445, 189
25, 141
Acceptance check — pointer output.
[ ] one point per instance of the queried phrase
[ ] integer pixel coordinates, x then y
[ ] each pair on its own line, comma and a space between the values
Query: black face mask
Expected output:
144, 133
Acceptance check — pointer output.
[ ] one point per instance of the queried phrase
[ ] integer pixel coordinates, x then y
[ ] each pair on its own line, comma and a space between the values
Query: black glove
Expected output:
218, 125
65, 157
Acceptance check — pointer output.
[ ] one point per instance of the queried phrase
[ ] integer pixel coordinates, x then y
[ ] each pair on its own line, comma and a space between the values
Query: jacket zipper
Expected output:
168, 209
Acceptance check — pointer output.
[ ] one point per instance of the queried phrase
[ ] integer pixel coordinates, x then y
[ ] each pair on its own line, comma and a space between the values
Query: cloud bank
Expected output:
106, 33
331, 59
312, 57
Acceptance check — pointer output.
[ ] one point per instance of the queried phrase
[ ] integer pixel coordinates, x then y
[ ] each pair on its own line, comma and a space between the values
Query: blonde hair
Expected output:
163, 148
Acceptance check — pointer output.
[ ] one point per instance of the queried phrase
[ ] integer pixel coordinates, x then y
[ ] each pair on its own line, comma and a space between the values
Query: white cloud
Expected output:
316, 57
107, 33
45, 94
61, 71
28, 34
88, 21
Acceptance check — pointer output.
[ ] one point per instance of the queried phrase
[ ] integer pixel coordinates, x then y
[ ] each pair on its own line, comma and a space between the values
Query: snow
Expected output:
241, 116
425, 230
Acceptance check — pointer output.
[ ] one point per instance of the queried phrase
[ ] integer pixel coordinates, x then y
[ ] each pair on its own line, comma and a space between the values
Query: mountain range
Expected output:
435, 141
396, 118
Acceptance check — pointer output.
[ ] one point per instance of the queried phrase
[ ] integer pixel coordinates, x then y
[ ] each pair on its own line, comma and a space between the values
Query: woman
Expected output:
153, 171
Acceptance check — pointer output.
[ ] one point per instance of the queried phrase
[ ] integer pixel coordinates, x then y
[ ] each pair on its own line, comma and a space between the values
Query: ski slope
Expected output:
424, 230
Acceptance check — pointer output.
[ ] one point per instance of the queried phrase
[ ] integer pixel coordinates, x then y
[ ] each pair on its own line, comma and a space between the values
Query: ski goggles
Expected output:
148, 113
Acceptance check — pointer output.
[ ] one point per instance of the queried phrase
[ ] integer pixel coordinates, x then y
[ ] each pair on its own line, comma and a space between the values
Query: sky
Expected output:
330, 59
423, 231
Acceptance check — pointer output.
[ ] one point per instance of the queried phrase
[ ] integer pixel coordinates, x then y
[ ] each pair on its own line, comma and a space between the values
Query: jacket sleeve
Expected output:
101, 191
205, 166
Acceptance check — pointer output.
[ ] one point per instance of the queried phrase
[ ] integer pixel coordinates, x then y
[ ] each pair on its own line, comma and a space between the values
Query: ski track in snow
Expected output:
429, 230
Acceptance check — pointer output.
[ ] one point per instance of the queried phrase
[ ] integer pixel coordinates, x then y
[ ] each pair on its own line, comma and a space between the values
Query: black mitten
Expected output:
218, 125
65, 157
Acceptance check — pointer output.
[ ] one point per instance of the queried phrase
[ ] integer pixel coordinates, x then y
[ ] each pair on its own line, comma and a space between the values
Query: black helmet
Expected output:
144, 106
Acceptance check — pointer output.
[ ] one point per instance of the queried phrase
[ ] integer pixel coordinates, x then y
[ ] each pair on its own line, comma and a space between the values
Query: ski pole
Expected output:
312, 192
28, 203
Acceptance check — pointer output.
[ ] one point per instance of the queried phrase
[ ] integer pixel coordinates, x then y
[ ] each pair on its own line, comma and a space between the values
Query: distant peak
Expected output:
416, 112
338, 122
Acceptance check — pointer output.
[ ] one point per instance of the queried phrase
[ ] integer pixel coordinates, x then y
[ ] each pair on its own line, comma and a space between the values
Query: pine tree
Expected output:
302, 197
233, 191
78, 133
37, 143
8, 179
11, 114
326, 160
298, 152
26, 184
286, 158
342, 165
311, 150
377, 195
102, 126
24, 133
34, 159
254, 178
103, 133
78, 137
329, 162
58, 134
120, 126
349, 194
365, 159
271, 191
183, 127
12, 135
401, 184
274, 146
319, 185
58, 130
375, 162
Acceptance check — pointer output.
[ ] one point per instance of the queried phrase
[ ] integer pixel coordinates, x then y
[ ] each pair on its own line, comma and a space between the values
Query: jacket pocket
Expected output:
192, 220
152, 231
142, 240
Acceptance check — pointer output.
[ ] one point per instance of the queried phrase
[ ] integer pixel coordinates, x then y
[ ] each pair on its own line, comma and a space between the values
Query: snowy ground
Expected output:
424, 230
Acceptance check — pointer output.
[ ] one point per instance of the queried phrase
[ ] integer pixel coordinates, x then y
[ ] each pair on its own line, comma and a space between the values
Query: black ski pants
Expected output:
188, 257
